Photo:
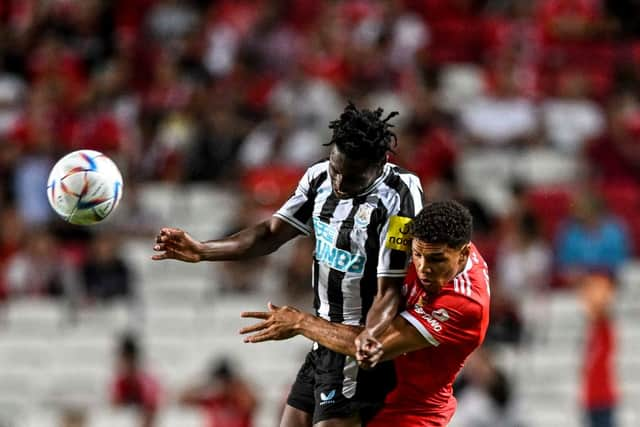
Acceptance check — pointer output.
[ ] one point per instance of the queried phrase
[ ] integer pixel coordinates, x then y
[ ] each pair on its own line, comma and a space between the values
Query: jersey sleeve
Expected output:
298, 210
454, 320
395, 241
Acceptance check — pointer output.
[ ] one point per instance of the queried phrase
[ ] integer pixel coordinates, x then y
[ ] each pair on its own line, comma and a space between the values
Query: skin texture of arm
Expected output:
281, 323
381, 314
260, 239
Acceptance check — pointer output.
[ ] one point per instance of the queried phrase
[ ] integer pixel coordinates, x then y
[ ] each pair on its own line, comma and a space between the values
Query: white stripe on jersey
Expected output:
468, 282
420, 327
323, 310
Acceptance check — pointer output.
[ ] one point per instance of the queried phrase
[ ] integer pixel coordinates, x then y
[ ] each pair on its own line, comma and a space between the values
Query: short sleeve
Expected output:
395, 241
298, 210
449, 320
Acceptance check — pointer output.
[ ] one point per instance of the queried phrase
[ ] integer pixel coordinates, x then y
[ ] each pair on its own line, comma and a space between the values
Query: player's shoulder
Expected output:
402, 173
401, 191
317, 168
472, 284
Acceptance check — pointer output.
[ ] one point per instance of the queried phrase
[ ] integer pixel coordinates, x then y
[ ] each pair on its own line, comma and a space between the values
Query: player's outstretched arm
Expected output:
281, 323
260, 239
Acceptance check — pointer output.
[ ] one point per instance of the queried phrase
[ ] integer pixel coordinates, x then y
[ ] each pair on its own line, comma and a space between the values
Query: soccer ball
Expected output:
84, 187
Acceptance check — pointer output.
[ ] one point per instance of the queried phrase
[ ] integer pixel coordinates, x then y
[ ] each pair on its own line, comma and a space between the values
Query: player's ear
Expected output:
464, 253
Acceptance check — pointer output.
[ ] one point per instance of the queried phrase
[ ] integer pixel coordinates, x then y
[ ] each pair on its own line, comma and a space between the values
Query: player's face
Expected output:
436, 263
349, 177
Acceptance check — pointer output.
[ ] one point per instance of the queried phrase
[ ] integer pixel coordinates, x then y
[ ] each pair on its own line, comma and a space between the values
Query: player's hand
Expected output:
174, 243
368, 349
279, 323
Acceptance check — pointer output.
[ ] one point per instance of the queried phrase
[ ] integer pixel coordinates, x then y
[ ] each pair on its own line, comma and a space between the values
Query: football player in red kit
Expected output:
445, 318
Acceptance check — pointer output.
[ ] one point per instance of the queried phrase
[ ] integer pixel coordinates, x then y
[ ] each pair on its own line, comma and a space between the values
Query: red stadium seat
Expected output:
550, 205
623, 200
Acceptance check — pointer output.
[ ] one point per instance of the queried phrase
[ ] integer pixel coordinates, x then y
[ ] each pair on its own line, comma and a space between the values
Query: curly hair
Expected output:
363, 133
443, 222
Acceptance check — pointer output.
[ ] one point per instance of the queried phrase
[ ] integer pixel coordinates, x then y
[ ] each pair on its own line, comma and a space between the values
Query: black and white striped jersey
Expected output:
357, 240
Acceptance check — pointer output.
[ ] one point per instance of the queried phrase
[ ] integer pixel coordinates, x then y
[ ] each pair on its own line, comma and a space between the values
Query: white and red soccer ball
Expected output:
84, 187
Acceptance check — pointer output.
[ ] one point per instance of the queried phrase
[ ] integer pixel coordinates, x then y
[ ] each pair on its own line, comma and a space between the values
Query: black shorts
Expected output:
331, 385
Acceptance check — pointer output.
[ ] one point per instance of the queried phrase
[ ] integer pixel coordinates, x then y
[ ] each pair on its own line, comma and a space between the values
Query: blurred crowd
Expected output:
527, 111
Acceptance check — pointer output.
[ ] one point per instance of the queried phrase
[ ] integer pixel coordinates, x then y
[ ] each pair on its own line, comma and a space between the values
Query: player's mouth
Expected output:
429, 283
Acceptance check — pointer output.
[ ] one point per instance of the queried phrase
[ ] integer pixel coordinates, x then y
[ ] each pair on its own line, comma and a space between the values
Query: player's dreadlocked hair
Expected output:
363, 133
443, 222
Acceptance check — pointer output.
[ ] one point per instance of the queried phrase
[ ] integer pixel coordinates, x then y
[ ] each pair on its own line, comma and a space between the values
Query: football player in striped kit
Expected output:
356, 205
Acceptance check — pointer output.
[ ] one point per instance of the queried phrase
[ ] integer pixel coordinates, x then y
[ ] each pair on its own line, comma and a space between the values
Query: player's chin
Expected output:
431, 285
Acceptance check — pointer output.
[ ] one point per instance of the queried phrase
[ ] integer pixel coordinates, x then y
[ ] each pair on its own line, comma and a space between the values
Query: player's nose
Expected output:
424, 267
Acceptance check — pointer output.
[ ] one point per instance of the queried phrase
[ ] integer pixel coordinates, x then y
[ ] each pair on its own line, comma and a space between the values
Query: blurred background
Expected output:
526, 111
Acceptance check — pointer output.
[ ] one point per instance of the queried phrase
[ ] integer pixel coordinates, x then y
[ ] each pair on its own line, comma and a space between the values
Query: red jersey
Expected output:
454, 322
140, 389
599, 388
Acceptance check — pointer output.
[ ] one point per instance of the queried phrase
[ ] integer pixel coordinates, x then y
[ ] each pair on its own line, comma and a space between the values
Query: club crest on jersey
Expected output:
363, 216
441, 314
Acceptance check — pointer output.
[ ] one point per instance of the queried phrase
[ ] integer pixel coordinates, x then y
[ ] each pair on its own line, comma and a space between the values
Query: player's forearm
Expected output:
334, 336
383, 311
251, 242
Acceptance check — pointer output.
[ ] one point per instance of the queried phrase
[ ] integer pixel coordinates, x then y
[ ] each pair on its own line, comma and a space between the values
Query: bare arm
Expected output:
385, 305
381, 314
285, 322
260, 239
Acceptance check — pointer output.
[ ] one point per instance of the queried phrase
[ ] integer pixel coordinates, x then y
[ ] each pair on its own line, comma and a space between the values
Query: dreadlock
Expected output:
363, 133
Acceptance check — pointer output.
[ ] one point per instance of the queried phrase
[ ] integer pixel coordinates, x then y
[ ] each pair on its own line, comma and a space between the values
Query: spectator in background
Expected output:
38, 269
484, 393
225, 396
503, 117
132, 385
615, 155
105, 275
218, 138
524, 258
523, 274
36, 135
591, 241
278, 140
11, 238
599, 384
12, 92
570, 118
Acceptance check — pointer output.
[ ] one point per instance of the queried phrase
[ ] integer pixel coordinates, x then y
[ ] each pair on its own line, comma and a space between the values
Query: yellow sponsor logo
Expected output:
398, 236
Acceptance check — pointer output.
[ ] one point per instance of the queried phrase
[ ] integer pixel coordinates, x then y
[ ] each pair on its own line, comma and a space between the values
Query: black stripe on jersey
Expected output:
326, 213
328, 208
334, 285
369, 281
407, 208
398, 259
306, 210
